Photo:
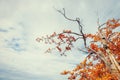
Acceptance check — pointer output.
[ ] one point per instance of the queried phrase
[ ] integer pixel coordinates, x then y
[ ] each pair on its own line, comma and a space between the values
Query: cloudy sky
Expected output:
22, 21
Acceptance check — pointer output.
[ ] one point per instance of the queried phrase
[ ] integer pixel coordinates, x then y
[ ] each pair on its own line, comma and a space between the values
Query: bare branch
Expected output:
81, 31
101, 25
64, 14
83, 50
75, 20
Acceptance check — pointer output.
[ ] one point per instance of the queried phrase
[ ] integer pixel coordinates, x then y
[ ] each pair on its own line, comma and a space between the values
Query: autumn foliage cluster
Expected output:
103, 59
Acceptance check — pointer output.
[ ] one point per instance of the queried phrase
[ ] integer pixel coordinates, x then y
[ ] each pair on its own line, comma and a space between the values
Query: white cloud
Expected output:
36, 63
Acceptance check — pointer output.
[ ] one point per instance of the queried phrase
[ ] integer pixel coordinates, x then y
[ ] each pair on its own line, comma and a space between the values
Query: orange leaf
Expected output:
94, 46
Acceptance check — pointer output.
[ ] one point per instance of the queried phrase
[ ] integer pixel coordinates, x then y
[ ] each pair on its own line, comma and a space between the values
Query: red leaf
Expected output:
61, 36
68, 48
59, 48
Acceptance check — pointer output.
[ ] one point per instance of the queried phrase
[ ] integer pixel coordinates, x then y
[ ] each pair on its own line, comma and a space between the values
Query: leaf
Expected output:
59, 49
94, 46
64, 72
68, 48
61, 36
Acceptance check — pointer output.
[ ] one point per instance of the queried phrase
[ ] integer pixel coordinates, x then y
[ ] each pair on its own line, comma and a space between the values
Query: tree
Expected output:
103, 49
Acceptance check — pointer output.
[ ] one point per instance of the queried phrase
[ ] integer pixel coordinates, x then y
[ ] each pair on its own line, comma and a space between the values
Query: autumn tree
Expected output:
103, 49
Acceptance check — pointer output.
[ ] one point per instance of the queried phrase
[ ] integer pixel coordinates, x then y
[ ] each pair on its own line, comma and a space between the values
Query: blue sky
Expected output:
22, 21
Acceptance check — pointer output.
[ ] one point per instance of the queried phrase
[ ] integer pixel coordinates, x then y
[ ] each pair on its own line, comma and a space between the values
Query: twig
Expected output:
101, 25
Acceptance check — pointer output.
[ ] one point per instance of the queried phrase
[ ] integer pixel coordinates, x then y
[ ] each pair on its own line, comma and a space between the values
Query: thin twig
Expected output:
83, 50
64, 14
101, 25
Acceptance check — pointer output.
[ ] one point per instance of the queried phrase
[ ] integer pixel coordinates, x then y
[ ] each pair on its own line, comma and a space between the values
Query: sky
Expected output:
22, 21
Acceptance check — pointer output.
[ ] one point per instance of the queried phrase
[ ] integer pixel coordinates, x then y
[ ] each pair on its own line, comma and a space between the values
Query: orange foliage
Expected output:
113, 23
103, 52
94, 46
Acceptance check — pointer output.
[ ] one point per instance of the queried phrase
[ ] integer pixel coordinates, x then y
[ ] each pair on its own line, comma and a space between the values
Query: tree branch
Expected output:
75, 20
